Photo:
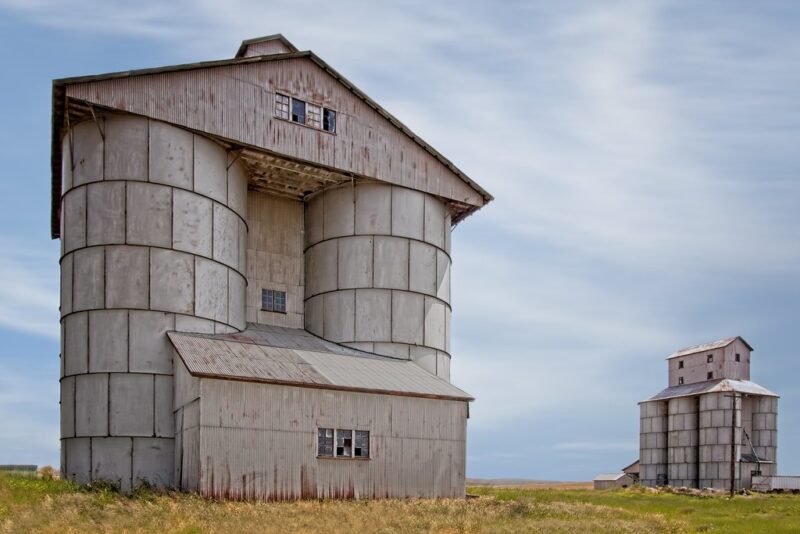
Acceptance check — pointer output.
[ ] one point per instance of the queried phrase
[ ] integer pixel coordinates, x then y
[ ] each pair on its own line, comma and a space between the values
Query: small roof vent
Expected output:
265, 46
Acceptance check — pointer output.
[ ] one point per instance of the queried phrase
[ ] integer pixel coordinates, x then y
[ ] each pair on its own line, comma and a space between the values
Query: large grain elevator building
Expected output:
711, 421
255, 283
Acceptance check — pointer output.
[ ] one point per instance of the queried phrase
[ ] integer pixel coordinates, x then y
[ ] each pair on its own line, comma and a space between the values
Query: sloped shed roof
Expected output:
294, 357
713, 386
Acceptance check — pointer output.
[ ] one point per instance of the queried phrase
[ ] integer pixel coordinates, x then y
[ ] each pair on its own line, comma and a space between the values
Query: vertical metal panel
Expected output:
258, 441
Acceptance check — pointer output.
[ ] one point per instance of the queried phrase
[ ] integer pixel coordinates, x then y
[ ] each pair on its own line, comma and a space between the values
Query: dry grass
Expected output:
37, 505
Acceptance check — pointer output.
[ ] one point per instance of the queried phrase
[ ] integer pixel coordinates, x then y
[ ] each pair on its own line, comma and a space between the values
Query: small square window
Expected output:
738, 357
329, 120
680, 380
710, 376
325, 442
680, 364
313, 116
298, 111
344, 443
282, 106
710, 358
273, 300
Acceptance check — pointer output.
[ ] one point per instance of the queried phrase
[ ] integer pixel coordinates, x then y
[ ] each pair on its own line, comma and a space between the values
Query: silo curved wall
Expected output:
153, 239
377, 261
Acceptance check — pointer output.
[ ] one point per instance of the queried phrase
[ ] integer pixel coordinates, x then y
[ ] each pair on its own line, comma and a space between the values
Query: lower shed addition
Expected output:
277, 423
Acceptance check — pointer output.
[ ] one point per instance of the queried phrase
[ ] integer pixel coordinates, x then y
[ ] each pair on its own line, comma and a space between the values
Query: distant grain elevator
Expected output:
255, 283
710, 422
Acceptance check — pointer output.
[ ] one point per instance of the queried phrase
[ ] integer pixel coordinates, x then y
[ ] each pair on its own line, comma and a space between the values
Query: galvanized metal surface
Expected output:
222, 357
776, 482
713, 386
258, 441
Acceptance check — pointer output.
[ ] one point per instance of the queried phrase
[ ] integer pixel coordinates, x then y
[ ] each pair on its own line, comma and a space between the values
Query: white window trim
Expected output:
306, 103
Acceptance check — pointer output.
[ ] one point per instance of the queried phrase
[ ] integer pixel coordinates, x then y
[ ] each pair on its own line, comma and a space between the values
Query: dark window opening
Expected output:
710, 375
344, 443
710, 358
298, 111
361, 449
273, 300
680, 364
738, 357
680, 380
325, 442
329, 120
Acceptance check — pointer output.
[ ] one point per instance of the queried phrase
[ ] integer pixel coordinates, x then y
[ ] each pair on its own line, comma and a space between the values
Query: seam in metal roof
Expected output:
708, 346
59, 106
712, 386
306, 361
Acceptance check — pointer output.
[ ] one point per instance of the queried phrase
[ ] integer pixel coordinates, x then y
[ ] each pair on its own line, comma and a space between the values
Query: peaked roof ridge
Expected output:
711, 345
263, 39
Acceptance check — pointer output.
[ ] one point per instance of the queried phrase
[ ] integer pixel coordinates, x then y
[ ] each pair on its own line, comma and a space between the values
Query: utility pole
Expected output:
733, 442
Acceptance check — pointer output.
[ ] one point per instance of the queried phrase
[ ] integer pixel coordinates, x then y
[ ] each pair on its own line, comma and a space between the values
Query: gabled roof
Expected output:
713, 386
294, 357
635, 463
257, 40
60, 105
708, 346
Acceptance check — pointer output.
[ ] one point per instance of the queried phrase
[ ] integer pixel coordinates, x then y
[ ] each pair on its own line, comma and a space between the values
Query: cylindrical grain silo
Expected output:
153, 239
378, 272
765, 432
682, 440
718, 412
653, 443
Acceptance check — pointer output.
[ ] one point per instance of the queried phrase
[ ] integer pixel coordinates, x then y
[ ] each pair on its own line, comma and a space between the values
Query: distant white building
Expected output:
710, 419
613, 480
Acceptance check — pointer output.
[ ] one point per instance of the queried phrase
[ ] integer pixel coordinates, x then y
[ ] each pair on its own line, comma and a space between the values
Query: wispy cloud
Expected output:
29, 283
643, 158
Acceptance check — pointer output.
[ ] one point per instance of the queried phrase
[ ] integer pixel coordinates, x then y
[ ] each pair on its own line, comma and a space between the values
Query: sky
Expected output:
643, 157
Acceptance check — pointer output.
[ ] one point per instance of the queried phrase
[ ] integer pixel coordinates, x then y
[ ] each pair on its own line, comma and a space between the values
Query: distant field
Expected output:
39, 505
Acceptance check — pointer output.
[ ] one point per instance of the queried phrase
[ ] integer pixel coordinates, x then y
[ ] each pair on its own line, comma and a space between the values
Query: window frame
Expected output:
336, 435
709, 358
274, 296
680, 380
737, 358
680, 364
288, 113
710, 375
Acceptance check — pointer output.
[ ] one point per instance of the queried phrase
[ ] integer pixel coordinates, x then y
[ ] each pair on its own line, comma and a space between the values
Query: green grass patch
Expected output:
38, 505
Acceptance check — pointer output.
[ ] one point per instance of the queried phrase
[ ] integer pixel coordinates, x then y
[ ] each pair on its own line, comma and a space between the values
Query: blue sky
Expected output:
643, 156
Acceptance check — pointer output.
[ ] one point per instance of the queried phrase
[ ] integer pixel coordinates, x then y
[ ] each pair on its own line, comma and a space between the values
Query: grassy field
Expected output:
37, 505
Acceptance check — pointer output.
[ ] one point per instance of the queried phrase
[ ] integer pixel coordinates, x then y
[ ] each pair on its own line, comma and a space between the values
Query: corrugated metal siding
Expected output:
235, 102
219, 357
258, 441
713, 386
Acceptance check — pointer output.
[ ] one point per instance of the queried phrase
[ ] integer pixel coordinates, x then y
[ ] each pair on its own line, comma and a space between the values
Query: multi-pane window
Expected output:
282, 106
325, 442
361, 444
710, 358
329, 120
342, 443
738, 357
273, 300
311, 115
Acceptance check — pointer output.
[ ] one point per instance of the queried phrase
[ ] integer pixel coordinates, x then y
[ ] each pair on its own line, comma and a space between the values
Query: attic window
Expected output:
298, 111
710, 376
738, 357
273, 300
282, 106
680, 364
329, 120
680, 380
301, 112
710, 358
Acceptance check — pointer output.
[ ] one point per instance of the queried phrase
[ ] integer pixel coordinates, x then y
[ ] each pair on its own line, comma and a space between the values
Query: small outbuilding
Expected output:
615, 480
